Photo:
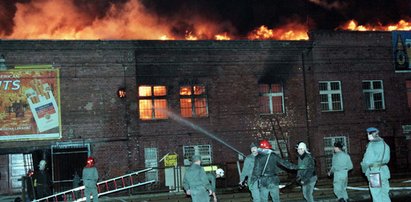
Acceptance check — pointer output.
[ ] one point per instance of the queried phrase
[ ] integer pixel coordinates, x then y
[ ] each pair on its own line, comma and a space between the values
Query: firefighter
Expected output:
265, 172
341, 164
219, 173
248, 171
196, 182
374, 166
42, 181
90, 177
307, 177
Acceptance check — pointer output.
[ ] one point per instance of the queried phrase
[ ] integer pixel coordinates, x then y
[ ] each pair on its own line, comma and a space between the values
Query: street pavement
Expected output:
400, 191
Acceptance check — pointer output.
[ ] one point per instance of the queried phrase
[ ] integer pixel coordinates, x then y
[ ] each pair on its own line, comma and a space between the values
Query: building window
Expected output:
374, 94
203, 150
150, 160
329, 148
330, 96
193, 101
408, 86
152, 102
271, 98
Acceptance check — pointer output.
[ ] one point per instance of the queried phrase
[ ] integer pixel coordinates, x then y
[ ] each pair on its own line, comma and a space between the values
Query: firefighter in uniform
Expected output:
307, 178
265, 172
374, 166
341, 164
90, 177
42, 181
196, 182
248, 171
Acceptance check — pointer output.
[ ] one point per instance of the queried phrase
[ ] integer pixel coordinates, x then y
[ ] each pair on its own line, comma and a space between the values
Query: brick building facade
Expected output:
317, 91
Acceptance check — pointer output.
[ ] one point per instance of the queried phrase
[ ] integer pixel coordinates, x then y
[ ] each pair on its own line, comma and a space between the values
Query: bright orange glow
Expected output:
144, 91
292, 31
354, 26
131, 21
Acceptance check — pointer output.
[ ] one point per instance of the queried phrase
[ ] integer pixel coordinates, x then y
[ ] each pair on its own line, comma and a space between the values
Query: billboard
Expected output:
30, 103
401, 42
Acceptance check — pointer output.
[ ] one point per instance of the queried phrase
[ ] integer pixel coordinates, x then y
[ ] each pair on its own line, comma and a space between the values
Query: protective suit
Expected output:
265, 172
196, 182
306, 177
375, 160
90, 177
341, 164
248, 171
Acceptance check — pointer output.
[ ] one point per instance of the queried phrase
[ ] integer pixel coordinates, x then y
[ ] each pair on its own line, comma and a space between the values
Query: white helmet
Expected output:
220, 172
42, 165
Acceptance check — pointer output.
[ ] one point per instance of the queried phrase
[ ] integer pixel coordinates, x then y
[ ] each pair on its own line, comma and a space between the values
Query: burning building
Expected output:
194, 85
229, 94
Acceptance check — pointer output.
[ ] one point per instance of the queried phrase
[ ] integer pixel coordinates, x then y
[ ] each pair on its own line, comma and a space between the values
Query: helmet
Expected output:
265, 144
220, 172
42, 164
372, 130
302, 146
90, 161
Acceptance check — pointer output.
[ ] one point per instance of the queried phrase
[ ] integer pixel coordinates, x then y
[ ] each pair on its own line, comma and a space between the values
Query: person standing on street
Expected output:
248, 171
341, 164
265, 172
196, 182
42, 181
90, 177
307, 177
374, 166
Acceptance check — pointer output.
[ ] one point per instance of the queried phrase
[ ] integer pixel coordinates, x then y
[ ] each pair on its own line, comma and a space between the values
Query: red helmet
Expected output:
90, 161
265, 144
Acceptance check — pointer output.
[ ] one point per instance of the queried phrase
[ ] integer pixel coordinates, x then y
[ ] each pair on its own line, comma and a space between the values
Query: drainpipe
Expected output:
307, 125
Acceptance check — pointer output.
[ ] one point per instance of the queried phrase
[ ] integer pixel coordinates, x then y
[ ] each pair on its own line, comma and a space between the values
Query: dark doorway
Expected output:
68, 159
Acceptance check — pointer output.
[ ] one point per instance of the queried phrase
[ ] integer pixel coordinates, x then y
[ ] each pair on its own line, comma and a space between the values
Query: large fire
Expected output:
55, 19
354, 26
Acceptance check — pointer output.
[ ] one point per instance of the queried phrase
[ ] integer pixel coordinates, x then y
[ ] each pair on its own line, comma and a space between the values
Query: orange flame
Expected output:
354, 26
288, 32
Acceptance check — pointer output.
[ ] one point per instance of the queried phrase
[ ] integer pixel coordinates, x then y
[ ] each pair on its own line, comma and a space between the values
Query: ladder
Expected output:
116, 184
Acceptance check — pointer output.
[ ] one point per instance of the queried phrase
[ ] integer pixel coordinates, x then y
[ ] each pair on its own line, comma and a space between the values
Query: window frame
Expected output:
152, 98
371, 101
271, 102
193, 99
190, 150
329, 93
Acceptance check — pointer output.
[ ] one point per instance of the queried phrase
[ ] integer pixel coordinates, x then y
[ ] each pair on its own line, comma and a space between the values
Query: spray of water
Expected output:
185, 122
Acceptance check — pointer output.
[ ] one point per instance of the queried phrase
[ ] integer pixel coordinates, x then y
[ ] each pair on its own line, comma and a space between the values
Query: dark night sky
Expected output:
238, 16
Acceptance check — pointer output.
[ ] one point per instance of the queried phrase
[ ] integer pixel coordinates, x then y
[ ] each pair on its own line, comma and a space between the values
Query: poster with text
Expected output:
30, 104
401, 42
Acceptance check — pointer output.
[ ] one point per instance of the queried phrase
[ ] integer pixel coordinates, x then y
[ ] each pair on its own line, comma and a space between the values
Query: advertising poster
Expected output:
401, 41
30, 103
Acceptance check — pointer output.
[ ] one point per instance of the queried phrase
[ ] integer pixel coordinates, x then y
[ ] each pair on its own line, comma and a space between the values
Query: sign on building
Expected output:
30, 103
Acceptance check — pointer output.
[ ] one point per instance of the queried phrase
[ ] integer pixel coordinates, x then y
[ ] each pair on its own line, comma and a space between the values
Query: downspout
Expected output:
307, 125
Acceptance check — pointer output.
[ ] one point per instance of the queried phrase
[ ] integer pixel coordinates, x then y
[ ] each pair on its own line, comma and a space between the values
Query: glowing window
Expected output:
152, 102
271, 98
193, 101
